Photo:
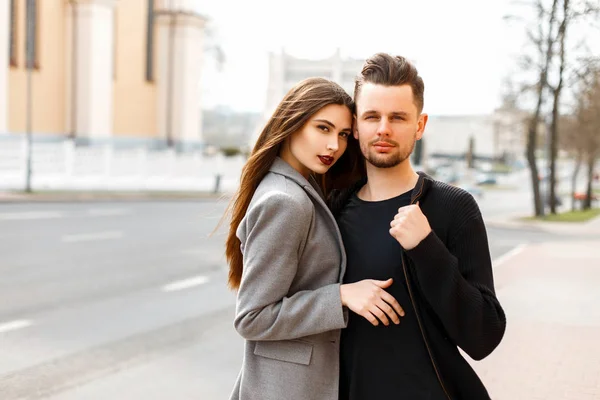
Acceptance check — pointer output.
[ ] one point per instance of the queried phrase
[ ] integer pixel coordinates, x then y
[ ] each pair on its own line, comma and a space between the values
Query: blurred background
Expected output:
124, 125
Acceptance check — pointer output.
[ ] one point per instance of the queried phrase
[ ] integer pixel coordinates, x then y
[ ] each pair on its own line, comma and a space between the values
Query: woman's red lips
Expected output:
327, 160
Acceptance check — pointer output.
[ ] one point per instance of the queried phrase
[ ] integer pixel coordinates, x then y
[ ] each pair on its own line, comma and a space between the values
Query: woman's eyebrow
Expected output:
325, 122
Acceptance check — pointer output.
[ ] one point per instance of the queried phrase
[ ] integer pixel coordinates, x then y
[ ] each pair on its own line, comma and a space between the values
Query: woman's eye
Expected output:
324, 128
344, 135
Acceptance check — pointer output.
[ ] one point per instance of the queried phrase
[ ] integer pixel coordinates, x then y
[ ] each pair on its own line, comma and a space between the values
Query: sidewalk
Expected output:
551, 350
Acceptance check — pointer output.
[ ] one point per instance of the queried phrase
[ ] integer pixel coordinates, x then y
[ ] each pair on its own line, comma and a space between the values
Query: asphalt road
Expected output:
128, 300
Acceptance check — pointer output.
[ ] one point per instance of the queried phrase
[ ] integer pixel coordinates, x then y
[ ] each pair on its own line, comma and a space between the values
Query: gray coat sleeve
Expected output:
273, 234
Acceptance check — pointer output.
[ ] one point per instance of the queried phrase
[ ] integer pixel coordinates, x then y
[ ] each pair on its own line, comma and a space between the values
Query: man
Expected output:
426, 235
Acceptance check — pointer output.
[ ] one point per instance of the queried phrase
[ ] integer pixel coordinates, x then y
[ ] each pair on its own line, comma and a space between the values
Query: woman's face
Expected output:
320, 142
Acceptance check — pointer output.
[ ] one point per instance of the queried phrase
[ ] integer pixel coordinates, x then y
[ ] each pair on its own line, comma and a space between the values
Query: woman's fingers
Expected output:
388, 312
389, 299
371, 318
378, 312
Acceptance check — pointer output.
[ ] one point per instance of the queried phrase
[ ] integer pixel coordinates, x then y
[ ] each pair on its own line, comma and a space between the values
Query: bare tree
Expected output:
543, 40
580, 132
572, 140
556, 91
589, 120
580, 12
550, 61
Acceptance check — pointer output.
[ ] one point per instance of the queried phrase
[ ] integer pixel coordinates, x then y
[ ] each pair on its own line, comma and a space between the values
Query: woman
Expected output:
286, 254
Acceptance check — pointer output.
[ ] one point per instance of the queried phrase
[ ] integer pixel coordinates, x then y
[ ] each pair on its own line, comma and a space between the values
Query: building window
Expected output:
12, 39
150, 42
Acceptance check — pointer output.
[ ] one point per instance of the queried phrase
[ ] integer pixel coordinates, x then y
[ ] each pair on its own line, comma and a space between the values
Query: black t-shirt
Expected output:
381, 362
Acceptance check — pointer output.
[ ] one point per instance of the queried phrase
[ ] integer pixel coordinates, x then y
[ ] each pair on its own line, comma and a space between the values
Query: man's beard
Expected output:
387, 160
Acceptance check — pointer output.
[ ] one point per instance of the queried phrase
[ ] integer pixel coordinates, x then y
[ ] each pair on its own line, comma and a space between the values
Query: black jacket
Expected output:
451, 284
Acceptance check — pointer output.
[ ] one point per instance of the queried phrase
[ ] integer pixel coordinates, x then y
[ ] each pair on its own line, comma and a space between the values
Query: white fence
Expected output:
64, 166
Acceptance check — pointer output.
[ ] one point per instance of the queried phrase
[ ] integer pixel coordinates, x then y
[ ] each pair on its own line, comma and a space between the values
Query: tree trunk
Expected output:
562, 33
574, 179
533, 122
535, 177
553, 152
587, 204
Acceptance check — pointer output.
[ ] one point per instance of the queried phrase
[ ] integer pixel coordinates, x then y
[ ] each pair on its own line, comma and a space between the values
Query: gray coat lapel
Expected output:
283, 168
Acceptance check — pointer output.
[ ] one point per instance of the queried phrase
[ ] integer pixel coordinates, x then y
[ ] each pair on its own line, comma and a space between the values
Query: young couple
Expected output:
357, 278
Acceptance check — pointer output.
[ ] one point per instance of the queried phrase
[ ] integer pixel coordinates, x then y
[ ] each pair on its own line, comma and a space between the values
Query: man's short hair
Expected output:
387, 70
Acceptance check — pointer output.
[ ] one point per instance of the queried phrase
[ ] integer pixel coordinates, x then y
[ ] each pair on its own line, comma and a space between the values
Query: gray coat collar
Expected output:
283, 168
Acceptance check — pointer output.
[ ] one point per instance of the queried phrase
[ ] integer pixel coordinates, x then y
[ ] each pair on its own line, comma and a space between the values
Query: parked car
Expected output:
581, 196
486, 179
474, 190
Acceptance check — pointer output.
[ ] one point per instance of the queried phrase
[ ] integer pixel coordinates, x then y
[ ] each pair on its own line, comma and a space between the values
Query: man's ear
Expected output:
354, 128
421, 123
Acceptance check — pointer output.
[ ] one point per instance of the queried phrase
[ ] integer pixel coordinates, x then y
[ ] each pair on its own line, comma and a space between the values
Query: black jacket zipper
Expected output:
412, 300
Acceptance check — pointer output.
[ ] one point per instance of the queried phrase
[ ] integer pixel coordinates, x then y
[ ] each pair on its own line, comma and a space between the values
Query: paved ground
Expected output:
551, 349
105, 301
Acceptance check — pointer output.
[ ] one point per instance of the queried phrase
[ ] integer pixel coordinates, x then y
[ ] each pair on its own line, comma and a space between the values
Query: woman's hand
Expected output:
369, 299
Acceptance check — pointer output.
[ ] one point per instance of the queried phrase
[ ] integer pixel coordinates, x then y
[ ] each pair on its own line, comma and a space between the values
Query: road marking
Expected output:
30, 215
87, 237
508, 255
185, 283
14, 325
107, 212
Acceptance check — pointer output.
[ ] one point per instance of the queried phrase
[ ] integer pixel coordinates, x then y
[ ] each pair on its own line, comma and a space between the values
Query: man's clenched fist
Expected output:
410, 226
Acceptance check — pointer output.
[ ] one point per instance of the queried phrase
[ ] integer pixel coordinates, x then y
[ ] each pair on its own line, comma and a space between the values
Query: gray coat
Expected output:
289, 308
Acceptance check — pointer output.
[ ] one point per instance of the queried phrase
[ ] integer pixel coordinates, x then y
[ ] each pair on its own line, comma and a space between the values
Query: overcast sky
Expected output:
462, 48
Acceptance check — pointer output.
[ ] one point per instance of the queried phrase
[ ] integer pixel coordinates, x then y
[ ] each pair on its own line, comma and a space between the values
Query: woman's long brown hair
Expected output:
297, 107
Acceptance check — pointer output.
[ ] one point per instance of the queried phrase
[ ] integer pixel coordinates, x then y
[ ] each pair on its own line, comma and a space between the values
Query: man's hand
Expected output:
410, 226
367, 298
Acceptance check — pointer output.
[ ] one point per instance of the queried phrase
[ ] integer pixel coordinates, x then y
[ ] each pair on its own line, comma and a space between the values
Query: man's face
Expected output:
388, 124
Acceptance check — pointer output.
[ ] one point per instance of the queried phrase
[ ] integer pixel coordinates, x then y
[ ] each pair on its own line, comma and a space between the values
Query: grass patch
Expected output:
501, 169
569, 216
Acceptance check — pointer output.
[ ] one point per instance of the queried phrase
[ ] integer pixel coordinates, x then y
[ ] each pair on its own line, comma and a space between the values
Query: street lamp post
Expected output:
30, 60
170, 134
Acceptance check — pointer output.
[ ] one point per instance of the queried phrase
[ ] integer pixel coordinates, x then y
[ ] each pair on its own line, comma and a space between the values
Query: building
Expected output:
103, 71
285, 71
510, 132
500, 135
223, 127
495, 135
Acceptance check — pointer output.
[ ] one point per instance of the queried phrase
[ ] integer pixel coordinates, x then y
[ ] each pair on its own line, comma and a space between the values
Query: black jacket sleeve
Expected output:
458, 283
